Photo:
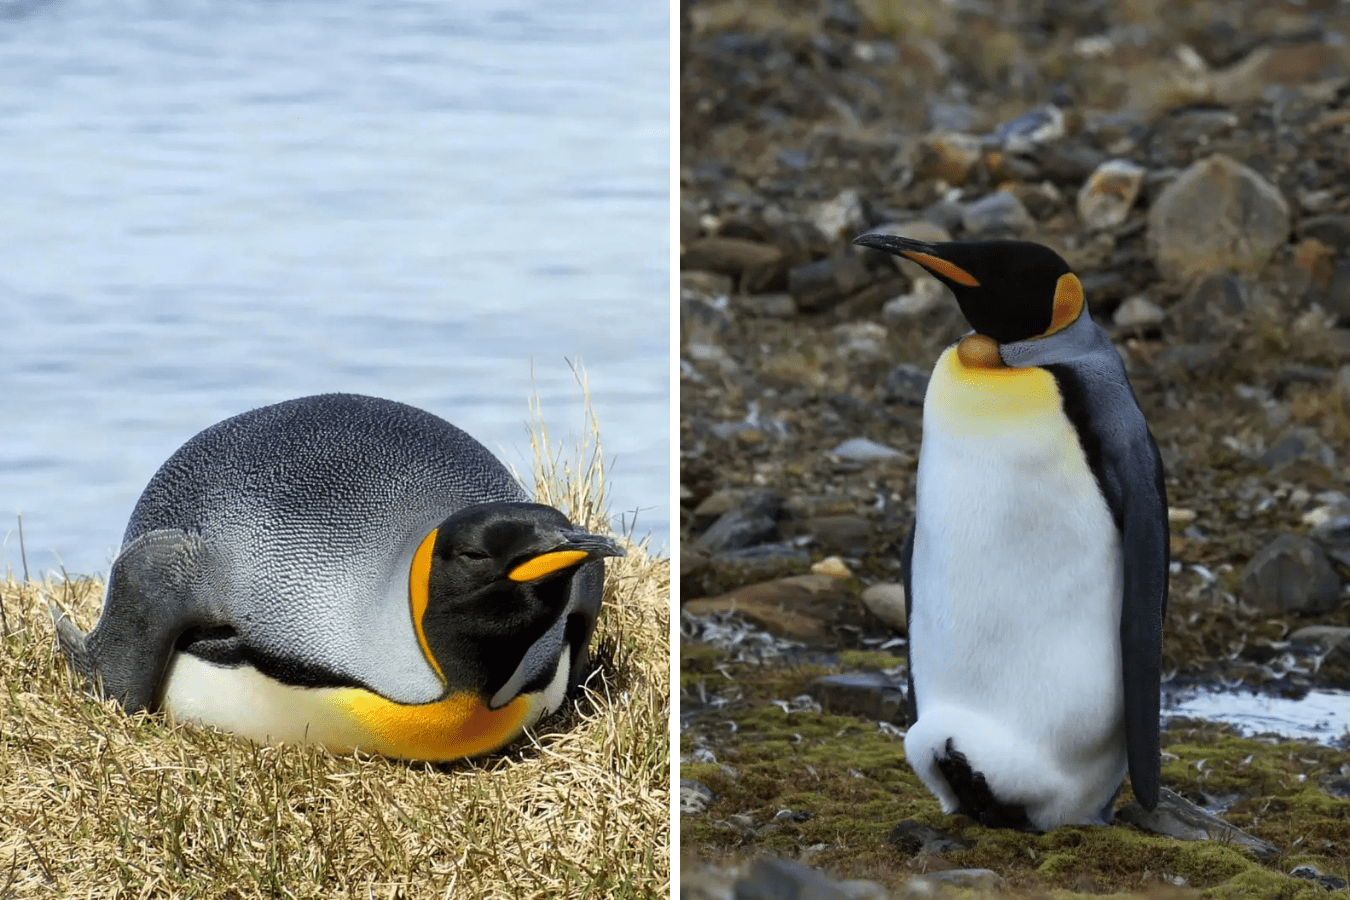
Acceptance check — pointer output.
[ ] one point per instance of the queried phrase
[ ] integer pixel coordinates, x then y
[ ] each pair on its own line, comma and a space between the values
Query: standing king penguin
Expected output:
347, 571
1036, 571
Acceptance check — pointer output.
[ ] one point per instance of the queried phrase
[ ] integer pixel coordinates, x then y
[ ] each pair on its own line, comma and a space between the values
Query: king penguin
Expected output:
1036, 570
347, 571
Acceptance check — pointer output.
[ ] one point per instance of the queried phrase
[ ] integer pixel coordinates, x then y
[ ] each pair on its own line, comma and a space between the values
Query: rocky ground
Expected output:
1191, 161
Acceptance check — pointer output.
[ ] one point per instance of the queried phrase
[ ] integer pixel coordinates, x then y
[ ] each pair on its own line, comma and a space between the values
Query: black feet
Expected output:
975, 798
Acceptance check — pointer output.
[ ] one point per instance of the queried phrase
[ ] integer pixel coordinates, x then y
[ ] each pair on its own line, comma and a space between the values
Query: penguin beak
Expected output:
925, 254
574, 549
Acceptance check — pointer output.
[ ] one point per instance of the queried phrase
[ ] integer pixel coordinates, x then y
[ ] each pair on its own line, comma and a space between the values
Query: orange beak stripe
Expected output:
419, 584
943, 268
546, 564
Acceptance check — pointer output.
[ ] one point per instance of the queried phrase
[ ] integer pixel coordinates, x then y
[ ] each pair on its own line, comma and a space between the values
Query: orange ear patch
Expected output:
979, 351
943, 268
1068, 302
419, 585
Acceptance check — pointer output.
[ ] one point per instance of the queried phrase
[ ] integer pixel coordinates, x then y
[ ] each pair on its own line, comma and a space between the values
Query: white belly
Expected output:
1015, 628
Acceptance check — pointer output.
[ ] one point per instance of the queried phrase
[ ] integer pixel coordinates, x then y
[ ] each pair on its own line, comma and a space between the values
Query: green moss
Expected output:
867, 660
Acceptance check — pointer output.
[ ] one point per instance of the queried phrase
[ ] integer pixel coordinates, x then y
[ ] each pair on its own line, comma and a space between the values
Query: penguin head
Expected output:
500, 590
1010, 291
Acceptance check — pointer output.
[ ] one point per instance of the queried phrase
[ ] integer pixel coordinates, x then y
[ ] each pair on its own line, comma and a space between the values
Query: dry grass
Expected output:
97, 803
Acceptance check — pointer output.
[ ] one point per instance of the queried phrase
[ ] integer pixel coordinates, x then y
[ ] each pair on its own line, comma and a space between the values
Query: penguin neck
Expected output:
979, 398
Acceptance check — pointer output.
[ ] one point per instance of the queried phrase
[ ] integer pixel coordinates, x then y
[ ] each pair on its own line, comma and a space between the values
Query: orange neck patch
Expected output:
942, 267
458, 726
419, 585
979, 351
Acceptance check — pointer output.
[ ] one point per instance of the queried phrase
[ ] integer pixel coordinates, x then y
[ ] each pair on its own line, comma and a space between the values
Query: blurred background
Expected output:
211, 206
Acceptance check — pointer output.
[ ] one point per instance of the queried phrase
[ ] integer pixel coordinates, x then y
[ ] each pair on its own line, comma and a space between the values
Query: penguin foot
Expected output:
974, 797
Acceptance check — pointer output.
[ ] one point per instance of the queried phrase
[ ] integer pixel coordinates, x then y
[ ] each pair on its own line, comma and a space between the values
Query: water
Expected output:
210, 206
1321, 716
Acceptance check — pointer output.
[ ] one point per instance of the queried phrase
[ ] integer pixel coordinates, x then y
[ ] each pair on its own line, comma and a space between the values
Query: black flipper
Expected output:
130, 647
1124, 458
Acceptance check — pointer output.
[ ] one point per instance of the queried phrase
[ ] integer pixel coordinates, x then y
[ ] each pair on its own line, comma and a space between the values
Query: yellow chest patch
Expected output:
460, 725
976, 400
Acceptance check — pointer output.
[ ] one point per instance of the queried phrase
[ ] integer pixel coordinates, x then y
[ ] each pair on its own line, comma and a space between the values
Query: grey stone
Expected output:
1179, 818
702, 321
871, 695
1217, 216
769, 878
1314, 874
1325, 637
914, 837
1332, 229
763, 558
1296, 444
756, 522
694, 797
1291, 574
998, 214
1138, 312
836, 534
841, 218
970, 879
765, 306
865, 450
886, 601
819, 285
1109, 193
861, 339
926, 293
908, 384
738, 258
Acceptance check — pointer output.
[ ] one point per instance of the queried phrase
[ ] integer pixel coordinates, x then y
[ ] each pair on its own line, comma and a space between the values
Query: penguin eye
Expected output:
476, 554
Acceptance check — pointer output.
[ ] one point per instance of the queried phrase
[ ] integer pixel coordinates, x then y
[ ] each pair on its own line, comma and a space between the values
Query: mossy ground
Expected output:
844, 785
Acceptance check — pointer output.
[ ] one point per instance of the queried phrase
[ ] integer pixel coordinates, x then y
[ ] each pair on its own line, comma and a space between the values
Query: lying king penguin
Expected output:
1036, 570
347, 571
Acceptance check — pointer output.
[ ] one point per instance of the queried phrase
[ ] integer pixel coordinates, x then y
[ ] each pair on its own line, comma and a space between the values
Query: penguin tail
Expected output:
71, 640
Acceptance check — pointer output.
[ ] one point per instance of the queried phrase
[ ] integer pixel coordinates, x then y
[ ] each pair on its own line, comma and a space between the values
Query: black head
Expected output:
1009, 290
498, 576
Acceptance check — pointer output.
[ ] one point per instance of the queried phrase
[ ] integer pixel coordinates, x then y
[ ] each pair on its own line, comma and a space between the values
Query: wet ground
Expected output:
1125, 136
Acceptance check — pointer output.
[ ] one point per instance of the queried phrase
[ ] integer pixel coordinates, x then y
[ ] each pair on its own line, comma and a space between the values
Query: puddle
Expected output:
1320, 716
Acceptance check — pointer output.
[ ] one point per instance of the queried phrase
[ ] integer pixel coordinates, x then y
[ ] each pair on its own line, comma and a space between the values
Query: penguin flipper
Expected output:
1145, 551
906, 559
148, 604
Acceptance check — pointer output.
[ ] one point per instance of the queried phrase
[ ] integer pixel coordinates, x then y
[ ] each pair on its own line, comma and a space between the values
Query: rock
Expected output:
842, 218
801, 607
761, 561
1332, 229
914, 837
1179, 818
770, 878
766, 306
754, 522
1031, 130
1336, 299
742, 259
1314, 874
950, 156
1069, 162
908, 384
819, 285
1218, 215
887, 602
999, 214
926, 293
1216, 303
864, 450
968, 879
1324, 637
870, 695
1109, 193
1286, 63
1290, 575
694, 797
832, 566
864, 339
1299, 443
1138, 312
836, 534
1182, 361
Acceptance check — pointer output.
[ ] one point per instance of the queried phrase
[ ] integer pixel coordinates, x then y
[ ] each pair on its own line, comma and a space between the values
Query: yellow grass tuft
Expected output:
94, 802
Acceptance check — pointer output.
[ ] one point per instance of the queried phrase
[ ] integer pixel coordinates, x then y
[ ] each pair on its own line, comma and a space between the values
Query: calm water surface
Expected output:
212, 206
